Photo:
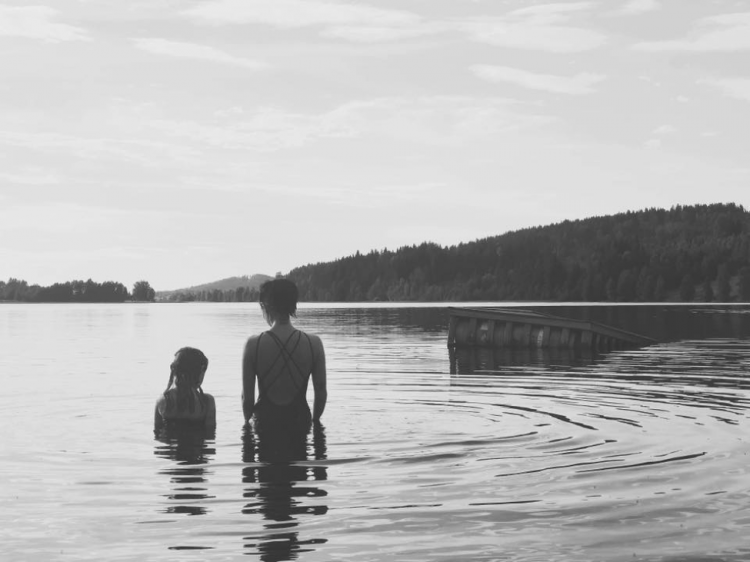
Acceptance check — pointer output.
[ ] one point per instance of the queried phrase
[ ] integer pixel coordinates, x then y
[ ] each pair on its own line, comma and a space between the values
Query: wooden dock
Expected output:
506, 328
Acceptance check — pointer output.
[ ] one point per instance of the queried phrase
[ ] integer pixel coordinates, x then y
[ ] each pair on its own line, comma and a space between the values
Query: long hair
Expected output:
185, 376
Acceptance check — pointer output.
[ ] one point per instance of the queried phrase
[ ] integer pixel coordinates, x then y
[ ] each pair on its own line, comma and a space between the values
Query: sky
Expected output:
185, 141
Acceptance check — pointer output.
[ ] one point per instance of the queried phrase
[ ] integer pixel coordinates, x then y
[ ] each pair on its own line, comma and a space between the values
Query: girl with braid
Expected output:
183, 403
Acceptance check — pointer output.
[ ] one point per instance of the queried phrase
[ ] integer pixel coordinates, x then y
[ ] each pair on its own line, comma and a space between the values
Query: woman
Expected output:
184, 403
282, 360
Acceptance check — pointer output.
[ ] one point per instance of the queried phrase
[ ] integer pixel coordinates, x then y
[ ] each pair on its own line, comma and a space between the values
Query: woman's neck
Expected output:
281, 324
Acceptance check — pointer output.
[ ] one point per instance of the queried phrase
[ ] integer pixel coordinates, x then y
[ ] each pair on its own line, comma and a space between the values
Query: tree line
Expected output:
238, 294
18, 290
685, 253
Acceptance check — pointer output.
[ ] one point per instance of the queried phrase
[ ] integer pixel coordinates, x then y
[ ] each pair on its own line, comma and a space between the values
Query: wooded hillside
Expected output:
231, 289
685, 253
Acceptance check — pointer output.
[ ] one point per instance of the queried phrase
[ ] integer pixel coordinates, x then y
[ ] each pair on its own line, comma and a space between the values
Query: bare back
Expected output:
283, 361
283, 365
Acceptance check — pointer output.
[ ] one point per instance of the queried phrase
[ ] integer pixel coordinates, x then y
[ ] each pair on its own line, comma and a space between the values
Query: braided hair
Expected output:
185, 376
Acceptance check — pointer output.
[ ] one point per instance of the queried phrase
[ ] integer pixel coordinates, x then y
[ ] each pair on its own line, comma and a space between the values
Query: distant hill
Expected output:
250, 284
686, 253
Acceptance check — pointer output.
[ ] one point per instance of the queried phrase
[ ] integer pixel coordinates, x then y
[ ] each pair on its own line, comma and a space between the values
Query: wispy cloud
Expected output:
30, 177
637, 7
376, 34
553, 11
575, 85
297, 13
664, 130
544, 27
733, 87
147, 152
430, 120
36, 22
267, 129
360, 196
355, 22
729, 32
194, 51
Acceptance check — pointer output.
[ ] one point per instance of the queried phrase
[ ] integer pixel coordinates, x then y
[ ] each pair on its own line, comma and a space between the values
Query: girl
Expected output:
184, 403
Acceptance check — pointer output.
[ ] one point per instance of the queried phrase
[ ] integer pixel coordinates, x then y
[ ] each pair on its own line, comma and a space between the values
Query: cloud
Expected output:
664, 130
373, 34
54, 217
552, 11
733, 87
652, 144
357, 196
268, 129
733, 34
194, 51
433, 120
637, 7
147, 152
30, 178
579, 84
541, 27
34, 22
297, 13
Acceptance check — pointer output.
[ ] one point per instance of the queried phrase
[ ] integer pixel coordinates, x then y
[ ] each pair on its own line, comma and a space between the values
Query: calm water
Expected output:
424, 455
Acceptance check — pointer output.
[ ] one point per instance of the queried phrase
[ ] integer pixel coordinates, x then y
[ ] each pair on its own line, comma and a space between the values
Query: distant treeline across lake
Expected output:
17, 290
686, 253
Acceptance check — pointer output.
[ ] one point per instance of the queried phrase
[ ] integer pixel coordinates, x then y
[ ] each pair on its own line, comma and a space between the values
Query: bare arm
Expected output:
319, 379
158, 419
248, 379
210, 412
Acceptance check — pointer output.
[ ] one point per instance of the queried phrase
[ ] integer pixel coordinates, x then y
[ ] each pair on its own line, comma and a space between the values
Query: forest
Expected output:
682, 254
686, 253
17, 290
230, 289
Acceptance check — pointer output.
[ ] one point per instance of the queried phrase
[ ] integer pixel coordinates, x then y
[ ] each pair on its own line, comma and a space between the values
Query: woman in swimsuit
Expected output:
184, 403
282, 360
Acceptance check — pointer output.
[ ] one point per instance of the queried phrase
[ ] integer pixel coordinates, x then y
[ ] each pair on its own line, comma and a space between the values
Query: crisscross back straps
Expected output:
287, 356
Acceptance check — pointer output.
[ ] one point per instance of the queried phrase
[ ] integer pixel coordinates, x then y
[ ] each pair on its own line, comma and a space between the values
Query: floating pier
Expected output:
507, 328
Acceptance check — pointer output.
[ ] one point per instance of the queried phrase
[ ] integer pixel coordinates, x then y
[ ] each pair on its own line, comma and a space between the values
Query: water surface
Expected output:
423, 454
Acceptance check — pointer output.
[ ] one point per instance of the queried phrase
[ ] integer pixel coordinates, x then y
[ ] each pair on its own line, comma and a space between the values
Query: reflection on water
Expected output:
525, 456
191, 449
280, 472
466, 360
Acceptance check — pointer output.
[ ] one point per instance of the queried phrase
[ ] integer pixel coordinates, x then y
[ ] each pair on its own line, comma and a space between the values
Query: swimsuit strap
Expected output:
287, 356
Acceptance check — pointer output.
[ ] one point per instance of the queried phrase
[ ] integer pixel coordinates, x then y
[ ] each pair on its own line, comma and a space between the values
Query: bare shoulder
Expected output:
251, 343
161, 403
316, 342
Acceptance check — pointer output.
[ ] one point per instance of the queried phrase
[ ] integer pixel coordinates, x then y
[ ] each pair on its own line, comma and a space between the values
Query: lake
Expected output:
423, 454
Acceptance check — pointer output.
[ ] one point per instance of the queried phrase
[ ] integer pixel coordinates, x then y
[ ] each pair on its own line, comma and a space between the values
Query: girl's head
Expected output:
188, 368
278, 299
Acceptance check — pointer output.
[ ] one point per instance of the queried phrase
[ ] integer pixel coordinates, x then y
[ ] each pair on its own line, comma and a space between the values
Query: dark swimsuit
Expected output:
178, 424
296, 414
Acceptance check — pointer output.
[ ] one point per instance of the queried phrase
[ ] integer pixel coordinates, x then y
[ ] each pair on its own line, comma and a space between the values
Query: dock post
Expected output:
586, 337
564, 337
452, 330
471, 336
526, 338
491, 333
508, 335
